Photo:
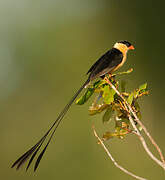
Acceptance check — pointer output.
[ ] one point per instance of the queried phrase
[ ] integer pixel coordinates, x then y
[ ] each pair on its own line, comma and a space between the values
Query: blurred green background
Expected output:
46, 47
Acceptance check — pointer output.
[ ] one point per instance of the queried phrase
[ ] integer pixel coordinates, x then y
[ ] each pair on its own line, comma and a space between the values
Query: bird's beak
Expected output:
131, 47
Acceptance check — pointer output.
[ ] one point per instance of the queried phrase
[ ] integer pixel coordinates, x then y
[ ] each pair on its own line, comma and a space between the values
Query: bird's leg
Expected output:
107, 80
111, 77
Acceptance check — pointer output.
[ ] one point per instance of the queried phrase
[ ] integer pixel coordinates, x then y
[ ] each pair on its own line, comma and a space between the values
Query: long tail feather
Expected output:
33, 151
33, 156
27, 154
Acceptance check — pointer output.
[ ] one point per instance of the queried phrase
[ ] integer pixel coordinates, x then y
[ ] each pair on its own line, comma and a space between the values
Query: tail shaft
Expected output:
33, 151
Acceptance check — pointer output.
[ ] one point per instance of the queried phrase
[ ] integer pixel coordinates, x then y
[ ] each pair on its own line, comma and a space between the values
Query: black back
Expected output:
105, 63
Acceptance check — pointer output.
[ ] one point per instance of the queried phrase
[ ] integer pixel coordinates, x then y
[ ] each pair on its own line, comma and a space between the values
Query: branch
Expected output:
162, 164
113, 160
149, 136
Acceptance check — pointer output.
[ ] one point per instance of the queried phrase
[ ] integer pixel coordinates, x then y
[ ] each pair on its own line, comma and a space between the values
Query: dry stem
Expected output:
161, 163
113, 160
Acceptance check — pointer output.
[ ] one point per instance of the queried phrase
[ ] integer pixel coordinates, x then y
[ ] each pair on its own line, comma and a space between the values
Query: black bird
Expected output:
108, 63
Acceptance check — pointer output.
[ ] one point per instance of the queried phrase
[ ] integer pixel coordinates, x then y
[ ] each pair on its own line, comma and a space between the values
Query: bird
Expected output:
109, 62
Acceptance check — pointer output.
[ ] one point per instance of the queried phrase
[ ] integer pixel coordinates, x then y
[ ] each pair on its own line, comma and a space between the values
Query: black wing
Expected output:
106, 63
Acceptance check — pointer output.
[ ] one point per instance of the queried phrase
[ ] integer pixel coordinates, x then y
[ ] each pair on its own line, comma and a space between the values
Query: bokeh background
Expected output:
46, 47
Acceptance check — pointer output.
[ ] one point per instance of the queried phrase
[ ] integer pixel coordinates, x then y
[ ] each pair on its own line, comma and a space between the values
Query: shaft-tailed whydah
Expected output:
108, 63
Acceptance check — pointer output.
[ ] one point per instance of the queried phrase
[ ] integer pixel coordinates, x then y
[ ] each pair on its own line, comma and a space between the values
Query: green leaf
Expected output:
120, 122
136, 93
108, 135
138, 113
142, 89
86, 96
130, 98
143, 86
108, 94
125, 120
137, 106
112, 94
108, 115
95, 109
97, 84
121, 134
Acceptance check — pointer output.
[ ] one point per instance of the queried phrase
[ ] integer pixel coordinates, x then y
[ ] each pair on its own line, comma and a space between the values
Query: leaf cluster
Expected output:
112, 107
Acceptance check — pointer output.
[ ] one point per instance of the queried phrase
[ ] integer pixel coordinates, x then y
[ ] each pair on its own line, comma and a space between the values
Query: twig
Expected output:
148, 134
144, 144
113, 160
162, 164
144, 128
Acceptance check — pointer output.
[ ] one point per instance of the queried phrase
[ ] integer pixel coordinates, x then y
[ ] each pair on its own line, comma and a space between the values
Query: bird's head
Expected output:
124, 46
